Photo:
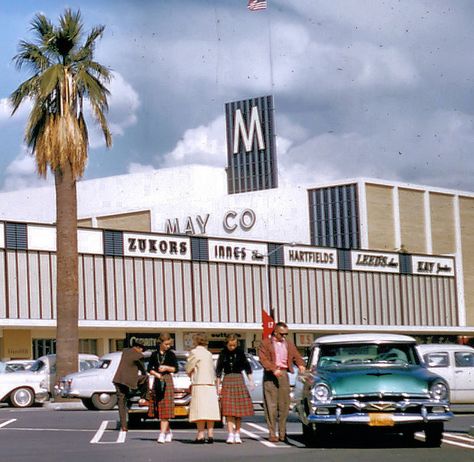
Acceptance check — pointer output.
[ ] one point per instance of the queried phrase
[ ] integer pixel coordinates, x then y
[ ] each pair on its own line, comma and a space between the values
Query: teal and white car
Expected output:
370, 380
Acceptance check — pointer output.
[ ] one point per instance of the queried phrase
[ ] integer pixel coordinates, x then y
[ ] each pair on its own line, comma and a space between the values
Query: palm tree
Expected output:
64, 75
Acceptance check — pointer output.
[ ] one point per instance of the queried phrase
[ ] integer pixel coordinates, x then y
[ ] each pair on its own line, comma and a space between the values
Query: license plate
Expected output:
180, 410
381, 420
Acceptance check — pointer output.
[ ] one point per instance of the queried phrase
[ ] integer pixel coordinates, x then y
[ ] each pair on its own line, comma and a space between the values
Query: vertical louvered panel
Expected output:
139, 288
100, 298
3, 284
12, 293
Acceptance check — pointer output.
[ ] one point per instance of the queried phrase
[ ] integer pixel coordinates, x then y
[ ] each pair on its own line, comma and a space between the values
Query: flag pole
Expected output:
272, 83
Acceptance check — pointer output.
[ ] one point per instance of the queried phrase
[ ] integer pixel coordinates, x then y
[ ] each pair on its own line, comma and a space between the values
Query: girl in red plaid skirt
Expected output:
162, 364
235, 397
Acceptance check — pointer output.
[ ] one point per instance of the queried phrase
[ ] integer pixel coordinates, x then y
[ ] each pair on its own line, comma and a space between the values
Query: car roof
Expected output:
364, 338
427, 347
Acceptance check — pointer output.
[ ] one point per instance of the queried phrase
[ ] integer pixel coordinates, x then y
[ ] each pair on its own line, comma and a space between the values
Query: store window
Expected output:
47, 346
88, 346
116, 344
334, 217
43, 346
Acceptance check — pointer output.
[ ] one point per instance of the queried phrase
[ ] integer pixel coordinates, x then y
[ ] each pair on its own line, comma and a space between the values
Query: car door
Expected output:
464, 376
441, 362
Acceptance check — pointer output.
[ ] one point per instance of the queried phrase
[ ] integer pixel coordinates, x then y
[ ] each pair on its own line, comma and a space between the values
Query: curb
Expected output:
471, 431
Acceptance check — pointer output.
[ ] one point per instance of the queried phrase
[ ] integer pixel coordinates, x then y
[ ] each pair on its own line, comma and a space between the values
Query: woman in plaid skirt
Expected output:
235, 397
162, 364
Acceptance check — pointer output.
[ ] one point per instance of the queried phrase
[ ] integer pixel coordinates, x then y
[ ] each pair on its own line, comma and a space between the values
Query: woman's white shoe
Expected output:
230, 439
237, 439
169, 437
161, 438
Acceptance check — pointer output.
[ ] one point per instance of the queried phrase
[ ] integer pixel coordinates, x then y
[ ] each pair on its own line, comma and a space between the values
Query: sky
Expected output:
362, 88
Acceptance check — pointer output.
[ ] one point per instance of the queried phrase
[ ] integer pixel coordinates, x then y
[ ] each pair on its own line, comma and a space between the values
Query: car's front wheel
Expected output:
434, 434
104, 401
22, 397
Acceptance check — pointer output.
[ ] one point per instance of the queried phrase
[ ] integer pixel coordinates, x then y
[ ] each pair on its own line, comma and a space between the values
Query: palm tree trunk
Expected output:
67, 293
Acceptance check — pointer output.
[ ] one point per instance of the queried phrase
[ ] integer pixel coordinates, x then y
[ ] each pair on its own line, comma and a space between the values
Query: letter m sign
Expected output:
240, 130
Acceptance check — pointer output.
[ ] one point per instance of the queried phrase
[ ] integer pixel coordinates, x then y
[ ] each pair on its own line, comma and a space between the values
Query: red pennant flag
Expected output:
268, 324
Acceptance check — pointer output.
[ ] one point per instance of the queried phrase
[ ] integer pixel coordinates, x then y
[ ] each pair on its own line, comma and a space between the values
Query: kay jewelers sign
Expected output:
432, 266
310, 257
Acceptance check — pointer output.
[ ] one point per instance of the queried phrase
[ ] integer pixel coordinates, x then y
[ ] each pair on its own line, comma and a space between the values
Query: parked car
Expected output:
15, 365
455, 363
96, 390
375, 381
35, 385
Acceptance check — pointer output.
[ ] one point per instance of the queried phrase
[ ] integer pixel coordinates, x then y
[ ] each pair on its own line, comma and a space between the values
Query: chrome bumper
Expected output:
365, 419
41, 397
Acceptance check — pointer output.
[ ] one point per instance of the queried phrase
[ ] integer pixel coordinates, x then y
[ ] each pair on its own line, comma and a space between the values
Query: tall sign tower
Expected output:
251, 152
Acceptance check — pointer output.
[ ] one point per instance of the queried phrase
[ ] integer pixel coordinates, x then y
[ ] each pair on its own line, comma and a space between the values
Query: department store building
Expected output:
196, 248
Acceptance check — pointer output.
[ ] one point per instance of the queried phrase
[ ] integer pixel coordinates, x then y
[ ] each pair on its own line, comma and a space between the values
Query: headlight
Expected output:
321, 392
439, 391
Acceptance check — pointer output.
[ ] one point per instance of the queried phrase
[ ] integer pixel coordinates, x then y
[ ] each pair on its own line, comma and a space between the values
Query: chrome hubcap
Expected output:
104, 398
22, 397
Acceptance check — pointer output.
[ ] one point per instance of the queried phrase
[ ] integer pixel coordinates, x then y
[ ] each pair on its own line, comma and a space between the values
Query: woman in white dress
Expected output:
204, 408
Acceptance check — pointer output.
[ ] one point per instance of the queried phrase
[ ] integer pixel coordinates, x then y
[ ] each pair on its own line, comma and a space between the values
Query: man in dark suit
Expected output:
277, 355
127, 378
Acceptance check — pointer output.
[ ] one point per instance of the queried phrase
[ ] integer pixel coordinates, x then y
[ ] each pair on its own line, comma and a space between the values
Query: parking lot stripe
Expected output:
99, 432
421, 436
8, 422
121, 437
258, 427
258, 438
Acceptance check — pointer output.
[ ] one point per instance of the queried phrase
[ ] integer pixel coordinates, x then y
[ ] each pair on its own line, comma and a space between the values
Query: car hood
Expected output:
372, 380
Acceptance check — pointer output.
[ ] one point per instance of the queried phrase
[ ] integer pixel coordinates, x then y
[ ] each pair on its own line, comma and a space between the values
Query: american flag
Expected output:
255, 5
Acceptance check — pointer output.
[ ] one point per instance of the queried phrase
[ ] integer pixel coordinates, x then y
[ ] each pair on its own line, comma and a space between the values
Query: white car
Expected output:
455, 363
24, 388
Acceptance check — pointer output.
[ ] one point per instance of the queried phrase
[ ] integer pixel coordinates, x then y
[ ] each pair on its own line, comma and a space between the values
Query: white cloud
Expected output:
205, 144
124, 103
135, 167
21, 173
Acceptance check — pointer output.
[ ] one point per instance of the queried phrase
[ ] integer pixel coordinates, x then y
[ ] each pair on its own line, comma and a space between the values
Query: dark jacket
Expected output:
266, 353
127, 371
232, 362
168, 359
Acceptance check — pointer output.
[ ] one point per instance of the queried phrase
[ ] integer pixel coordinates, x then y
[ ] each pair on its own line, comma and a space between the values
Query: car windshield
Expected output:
335, 356
37, 365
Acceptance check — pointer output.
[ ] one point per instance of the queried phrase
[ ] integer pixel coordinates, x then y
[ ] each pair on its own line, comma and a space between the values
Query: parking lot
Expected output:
58, 432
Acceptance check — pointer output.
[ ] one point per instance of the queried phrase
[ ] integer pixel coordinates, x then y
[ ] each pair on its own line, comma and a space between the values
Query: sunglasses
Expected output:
283, 334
